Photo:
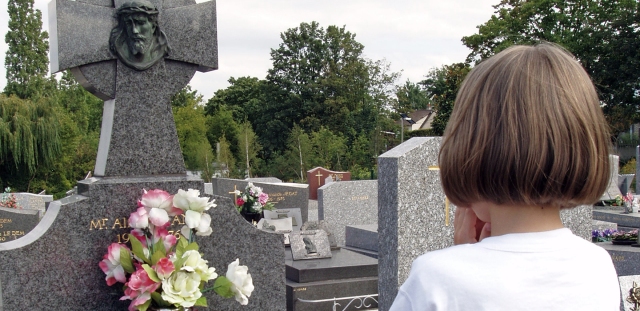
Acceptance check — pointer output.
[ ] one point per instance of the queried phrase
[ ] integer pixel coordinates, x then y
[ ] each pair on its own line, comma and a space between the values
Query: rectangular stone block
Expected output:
343, 264
348, 203
363, 237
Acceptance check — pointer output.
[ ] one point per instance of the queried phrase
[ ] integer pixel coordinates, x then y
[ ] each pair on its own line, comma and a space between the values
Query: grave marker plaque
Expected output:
15, 223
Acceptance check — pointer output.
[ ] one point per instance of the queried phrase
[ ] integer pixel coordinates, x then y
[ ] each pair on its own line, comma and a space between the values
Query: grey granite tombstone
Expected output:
613, 189
33, 201
15, 223
272, 180
208, 188
414, 217
283, 195
55, 266
348, 203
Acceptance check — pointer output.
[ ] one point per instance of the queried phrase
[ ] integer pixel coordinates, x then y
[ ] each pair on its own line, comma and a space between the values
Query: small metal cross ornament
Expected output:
319, 176
446, 200
235, 194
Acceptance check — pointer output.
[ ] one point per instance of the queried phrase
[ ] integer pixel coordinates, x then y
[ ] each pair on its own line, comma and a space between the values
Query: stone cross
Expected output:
138, 135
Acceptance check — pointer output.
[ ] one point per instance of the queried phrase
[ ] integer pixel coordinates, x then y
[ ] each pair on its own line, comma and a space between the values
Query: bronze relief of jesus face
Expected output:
137, 39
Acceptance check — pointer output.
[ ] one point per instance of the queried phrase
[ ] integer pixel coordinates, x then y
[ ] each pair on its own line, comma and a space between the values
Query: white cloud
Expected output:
413, 35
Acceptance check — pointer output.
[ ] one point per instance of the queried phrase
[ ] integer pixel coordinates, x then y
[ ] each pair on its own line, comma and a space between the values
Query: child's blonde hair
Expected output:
526, 129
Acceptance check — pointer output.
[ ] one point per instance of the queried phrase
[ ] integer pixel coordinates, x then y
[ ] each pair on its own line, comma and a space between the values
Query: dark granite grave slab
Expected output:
625, 258
329, 290
362, 236
15, 223
372, 254
344, 264
623, 220
55, 266
284, 195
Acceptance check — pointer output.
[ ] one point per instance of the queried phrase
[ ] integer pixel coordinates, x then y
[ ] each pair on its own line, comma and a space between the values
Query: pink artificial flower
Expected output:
159, 217
263, 198
169, 240
139, 288
161, 199
111, 266
164, 267
139, 219
239, 202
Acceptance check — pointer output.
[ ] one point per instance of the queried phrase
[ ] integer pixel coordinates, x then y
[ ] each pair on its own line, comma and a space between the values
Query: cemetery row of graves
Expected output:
330, 242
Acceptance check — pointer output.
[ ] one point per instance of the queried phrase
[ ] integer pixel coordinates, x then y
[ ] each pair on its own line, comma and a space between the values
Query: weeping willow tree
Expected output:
28, 136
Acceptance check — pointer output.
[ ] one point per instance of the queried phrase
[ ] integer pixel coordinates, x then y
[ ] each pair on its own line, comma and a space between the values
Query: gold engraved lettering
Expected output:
360, 198
121, 223
617, 258
2, 239
123, 238
95, 223
178, 220
301, 289
6, 220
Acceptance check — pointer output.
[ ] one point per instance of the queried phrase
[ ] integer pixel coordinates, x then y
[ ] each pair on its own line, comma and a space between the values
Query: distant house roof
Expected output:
423, 119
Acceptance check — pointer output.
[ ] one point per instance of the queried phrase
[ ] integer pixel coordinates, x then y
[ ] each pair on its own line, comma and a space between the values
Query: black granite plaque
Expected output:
15, 223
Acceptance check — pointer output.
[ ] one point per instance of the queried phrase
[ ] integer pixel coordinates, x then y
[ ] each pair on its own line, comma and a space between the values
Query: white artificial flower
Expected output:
182, 288
191, 200
192, 218
241, 282
196, 264
204, 227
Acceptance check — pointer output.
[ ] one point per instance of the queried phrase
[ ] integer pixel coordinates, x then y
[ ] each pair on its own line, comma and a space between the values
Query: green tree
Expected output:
29, 139
442, 85
298, 153
411, 97
190, 119
26, 59
225, 159
328, 149
602, 34
248, 146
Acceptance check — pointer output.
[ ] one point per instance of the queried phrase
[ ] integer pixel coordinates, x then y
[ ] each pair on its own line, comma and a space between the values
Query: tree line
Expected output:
322, 103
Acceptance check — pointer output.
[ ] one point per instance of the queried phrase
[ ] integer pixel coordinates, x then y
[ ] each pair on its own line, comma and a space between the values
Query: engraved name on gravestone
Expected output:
134, 55
348, 203
15, 223
33, 201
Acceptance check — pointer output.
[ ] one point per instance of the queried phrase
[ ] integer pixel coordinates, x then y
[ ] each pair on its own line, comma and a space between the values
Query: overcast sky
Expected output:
413, 35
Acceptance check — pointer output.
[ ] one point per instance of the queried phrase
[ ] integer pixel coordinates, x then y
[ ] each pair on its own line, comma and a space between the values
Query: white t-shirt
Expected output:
552, 270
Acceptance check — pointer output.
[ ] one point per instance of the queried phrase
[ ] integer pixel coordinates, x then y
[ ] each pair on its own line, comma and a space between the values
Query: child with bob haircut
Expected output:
526, 138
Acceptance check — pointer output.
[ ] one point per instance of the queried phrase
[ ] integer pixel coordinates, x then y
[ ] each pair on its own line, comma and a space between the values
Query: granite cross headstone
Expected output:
412, 212
138, 135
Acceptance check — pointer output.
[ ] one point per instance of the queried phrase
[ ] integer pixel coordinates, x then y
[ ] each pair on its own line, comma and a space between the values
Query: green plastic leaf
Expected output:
152, 273
144, 306
201, 302
222, 287
181, 245
192, 247
179, 263
157, 298
159, 246
157, 256
137, 248
125, 260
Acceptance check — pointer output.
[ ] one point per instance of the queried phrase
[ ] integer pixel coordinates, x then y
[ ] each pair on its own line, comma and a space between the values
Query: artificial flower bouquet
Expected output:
8, 199
160, 270
252, 200
605, 235
625, 236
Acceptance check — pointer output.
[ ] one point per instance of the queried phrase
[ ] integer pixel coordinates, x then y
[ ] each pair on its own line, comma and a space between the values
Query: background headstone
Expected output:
411, 212
55, 266
208, 188
348, 203
15, 223
612, 190
283, 195
316, 178
33, 201
265, 179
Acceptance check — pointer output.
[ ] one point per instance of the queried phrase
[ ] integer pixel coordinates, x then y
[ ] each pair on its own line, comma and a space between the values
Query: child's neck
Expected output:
522, 219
